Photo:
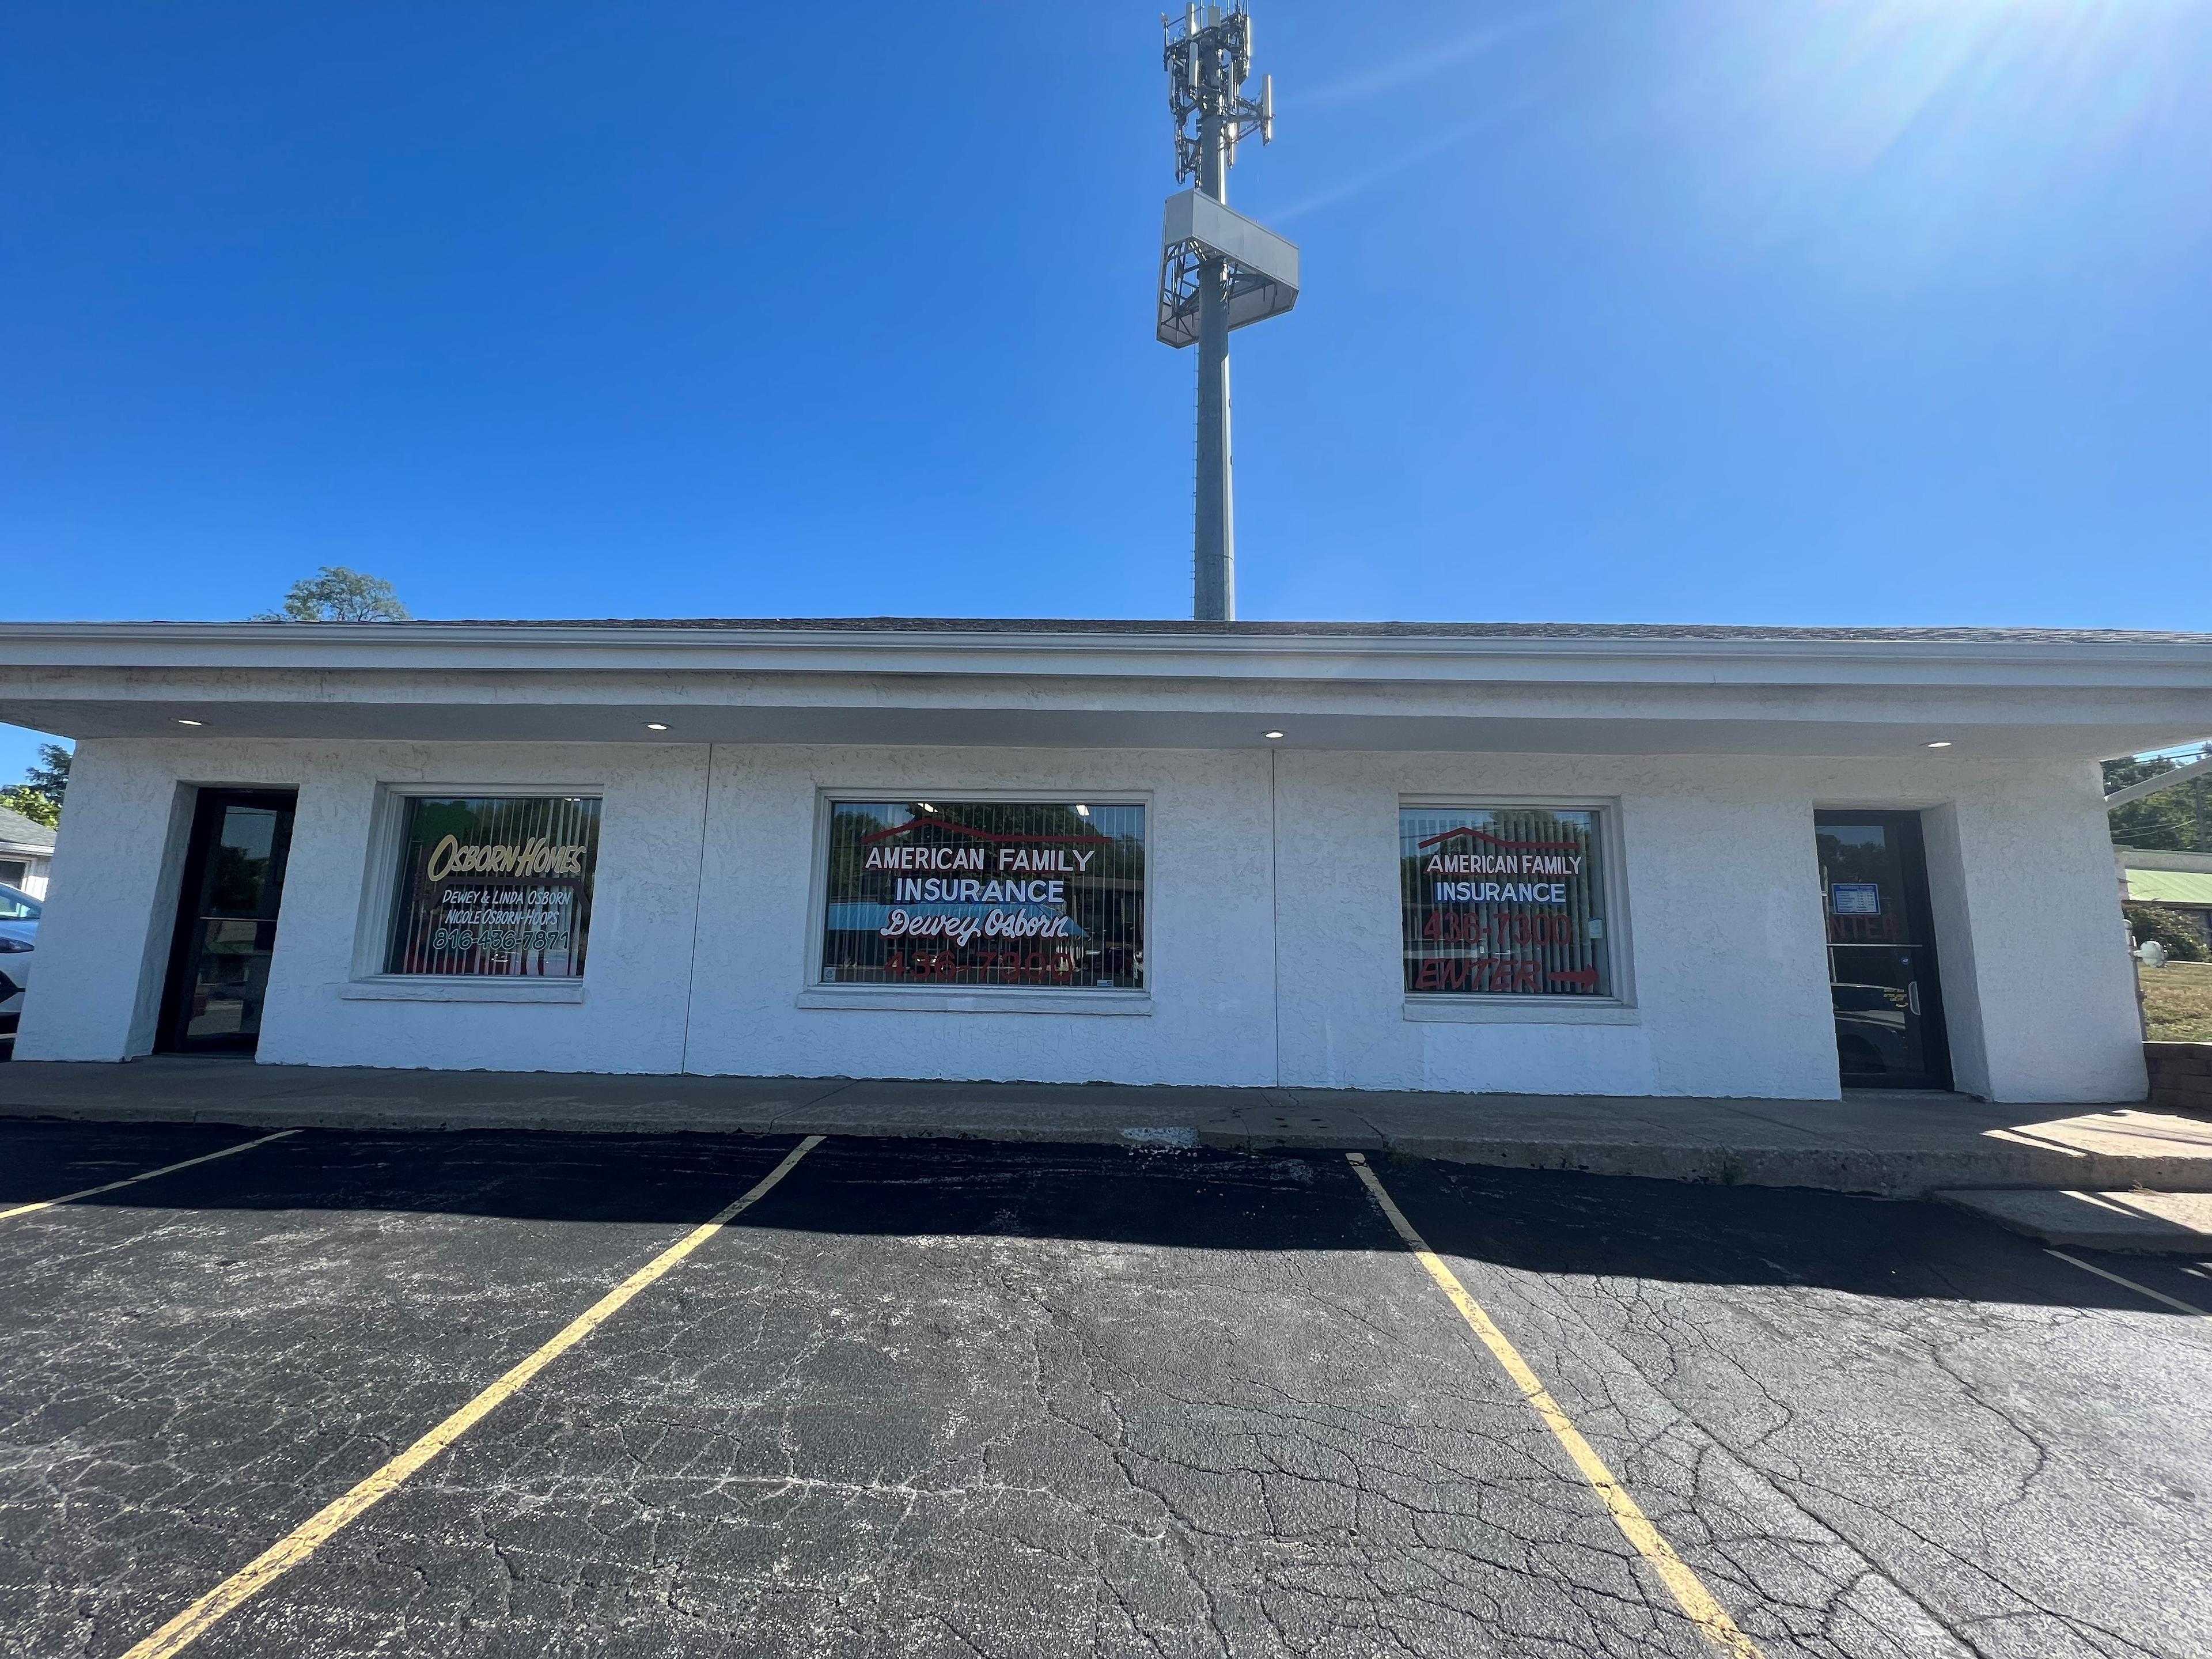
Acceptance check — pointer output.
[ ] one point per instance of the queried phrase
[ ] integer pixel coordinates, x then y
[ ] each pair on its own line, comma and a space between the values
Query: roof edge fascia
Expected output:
461, 647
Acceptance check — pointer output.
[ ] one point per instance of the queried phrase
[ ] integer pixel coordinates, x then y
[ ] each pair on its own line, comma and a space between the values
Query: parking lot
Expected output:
955, 1398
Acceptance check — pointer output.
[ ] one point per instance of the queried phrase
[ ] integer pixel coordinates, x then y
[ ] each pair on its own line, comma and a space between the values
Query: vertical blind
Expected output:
494, 884
1503, 901
985, 893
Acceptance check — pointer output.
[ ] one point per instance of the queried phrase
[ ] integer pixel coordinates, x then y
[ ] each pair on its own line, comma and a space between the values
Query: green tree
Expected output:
2176, 820
39, 797
2183, 939
335, 593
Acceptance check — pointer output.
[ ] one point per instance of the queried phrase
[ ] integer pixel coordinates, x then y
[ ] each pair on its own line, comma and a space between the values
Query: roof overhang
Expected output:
1994, 698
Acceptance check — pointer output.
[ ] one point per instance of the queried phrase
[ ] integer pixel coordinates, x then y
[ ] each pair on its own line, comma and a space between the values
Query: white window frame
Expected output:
373, 928
814, 994
1504, 1007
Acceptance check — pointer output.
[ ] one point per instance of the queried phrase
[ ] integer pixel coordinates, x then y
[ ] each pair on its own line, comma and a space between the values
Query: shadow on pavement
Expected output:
1540, 1222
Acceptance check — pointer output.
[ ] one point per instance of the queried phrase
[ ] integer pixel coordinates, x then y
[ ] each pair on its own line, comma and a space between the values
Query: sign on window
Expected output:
494, 886
1503, 901
985, 893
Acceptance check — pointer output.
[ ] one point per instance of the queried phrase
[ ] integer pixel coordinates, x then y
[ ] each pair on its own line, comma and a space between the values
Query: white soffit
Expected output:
1996, 696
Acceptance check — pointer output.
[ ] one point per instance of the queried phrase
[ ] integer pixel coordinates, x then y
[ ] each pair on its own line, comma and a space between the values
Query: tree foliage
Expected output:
2183, 939
2176, 820
39, 797
335, 593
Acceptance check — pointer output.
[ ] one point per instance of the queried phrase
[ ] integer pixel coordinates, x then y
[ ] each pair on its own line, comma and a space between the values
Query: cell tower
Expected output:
1219, 269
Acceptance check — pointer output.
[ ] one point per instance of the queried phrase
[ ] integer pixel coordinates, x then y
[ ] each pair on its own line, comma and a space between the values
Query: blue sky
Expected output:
1734, 310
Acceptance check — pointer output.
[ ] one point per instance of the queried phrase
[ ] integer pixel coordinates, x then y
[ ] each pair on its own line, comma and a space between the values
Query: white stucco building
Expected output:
1493, 858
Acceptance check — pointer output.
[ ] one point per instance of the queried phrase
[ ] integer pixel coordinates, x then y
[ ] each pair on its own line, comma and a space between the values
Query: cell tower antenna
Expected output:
1218, 270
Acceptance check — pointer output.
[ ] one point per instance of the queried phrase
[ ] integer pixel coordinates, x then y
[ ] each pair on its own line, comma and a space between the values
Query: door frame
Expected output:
208, 808
1905, 824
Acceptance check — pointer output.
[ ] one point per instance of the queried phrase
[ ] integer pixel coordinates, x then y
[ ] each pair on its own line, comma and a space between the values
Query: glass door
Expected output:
227, 920
1881, 951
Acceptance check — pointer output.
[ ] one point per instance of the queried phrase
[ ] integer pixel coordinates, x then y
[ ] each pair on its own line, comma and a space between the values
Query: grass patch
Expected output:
2178, 1002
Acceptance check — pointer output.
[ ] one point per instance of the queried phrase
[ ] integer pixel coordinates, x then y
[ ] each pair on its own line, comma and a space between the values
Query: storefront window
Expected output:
1503, 901
494, 884
985, 893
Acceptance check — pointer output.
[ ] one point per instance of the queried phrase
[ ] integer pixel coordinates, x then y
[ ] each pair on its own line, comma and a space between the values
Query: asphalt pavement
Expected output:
959, 1398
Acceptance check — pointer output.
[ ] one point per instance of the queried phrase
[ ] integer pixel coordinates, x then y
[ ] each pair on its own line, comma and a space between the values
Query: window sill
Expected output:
1532, 1011
880, 999
462, 990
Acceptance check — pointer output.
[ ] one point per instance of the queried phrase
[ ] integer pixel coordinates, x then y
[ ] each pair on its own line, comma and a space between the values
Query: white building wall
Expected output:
106, 931
1727, 965
2052, 990
1273, 949
103, 948
1726, 969
638, 953
1209, 956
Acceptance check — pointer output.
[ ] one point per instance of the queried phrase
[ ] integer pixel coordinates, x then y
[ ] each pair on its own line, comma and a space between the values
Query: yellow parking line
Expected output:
2173, 1302
132, 1181
311, 1534
1690, 1594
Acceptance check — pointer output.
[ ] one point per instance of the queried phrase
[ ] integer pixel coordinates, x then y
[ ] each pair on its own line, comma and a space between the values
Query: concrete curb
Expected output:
1888, 1173
2138, 1223
1255, 1120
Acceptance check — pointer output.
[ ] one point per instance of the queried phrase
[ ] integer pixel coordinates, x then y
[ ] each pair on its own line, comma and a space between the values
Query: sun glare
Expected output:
1918, 126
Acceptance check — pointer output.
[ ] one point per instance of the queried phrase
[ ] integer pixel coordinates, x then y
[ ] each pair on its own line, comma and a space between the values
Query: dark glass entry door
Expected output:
227, 920
1881, 951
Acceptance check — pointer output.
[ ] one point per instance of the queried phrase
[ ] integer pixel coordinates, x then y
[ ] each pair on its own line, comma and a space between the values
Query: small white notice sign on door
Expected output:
1855, 898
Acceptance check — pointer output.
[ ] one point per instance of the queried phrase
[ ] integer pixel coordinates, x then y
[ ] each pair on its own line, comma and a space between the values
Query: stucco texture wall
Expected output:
1725, 952
105, 935
1272, 954
1720, 935
125, 831
1209, 956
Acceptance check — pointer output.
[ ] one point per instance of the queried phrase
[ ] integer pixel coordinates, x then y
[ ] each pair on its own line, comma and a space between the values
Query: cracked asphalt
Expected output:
954, 1398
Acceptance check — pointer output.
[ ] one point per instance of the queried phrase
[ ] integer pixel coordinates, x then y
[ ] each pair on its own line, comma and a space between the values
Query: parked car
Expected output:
19, 936
1870, 1028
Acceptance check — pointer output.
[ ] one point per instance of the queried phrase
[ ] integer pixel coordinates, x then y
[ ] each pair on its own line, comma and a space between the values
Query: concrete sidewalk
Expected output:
1903, 1145
2140, 1223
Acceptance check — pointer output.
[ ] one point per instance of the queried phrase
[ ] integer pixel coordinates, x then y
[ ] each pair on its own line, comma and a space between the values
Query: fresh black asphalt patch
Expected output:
959, 1399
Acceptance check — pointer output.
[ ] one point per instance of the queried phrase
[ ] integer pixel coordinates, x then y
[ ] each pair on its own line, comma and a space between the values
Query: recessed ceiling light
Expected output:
654, 726
183, 722
1271, 734
1940, 743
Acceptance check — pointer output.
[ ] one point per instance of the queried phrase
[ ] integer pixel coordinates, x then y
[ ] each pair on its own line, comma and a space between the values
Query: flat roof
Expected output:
1415, 631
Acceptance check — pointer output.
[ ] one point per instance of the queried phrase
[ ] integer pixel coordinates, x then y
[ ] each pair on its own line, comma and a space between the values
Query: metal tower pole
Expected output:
1219, 269
1213, 568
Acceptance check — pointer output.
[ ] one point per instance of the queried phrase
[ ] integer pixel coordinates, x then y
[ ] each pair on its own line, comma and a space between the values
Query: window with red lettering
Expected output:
1504, 901
985, 893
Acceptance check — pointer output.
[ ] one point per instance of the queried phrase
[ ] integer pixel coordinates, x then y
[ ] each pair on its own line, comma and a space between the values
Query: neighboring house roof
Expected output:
2162, 858
2170, 886
2158, 876
20, 835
